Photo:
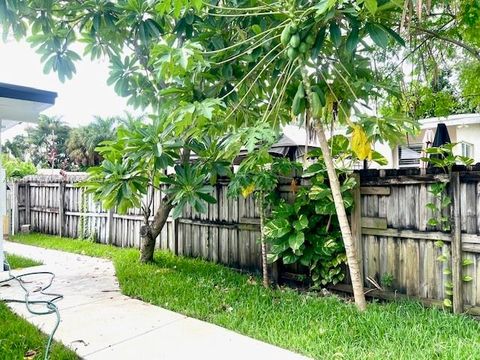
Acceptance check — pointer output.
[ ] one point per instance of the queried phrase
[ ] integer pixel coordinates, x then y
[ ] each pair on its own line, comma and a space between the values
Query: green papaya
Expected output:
300, 90
303, 48
316, 106
295, 41
293, 28
310, 39
285, 37
296, 105
292, 53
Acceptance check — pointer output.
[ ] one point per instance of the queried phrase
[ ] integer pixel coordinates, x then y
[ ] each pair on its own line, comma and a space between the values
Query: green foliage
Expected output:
443, 157
17, 147
470, 83
83, 141
16, 168
141, 156
188, 187
387, 280
47, 142
307, 231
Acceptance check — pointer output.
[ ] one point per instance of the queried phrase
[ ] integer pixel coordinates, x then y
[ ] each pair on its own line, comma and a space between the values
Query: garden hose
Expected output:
49, 304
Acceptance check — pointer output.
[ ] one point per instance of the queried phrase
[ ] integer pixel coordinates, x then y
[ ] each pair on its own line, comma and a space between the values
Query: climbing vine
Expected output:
443, 157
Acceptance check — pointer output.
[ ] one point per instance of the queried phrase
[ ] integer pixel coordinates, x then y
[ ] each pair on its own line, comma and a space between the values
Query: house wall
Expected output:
469, 134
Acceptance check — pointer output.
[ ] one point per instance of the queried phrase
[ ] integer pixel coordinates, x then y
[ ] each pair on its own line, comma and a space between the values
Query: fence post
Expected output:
61, 209
456, 244
28, 212
356, 223
109, 230
15, 211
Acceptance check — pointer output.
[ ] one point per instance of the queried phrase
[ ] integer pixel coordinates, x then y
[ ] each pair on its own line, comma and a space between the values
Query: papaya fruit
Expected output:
296, 106
310, 39
316, 106
295, 41
303, 47
285, 37
292, 53
300, 90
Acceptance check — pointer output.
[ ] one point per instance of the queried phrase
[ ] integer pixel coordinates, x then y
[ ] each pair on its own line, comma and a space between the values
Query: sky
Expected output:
79, 99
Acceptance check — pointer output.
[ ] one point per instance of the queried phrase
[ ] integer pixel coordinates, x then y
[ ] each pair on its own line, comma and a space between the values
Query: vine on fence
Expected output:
443, 157
83, 230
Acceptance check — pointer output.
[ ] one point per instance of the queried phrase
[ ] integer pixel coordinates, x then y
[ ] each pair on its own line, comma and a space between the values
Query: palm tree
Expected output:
83, 140
47, 141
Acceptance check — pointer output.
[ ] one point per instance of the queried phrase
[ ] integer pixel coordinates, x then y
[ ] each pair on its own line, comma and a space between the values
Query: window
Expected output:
409, 155
467, 149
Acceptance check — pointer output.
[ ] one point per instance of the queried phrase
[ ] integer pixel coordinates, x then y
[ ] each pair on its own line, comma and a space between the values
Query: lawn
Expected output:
17, 336
323, 328
20, 262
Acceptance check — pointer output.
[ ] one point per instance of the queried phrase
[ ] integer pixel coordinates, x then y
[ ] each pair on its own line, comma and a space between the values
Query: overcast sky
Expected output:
79, 99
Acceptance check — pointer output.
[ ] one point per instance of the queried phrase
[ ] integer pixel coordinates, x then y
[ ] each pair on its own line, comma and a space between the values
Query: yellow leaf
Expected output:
248, 190
360, 144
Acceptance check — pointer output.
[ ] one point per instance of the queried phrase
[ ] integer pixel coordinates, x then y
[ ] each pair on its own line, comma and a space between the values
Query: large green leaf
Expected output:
296, 240
377, 34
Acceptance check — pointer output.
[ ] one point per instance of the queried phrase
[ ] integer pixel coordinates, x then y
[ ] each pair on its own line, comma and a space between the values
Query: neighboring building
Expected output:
463, 129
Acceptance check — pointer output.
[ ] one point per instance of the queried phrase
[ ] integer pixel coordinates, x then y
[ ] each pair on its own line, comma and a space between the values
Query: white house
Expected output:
463, 129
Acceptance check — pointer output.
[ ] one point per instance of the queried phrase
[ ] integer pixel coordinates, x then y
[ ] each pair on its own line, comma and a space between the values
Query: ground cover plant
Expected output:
20, 262
323, 328
18, 338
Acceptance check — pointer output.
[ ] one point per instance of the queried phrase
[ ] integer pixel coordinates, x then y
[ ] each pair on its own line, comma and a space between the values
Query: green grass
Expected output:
324, 328
20, 262
18, 336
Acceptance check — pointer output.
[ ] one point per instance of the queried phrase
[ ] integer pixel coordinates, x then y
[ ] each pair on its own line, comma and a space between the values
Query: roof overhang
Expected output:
20, 104
452, 120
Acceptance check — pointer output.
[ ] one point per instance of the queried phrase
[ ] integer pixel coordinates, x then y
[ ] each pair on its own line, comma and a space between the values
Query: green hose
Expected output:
49, 304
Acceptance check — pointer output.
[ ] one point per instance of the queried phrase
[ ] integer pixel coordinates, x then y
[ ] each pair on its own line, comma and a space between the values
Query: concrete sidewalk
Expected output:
100, 323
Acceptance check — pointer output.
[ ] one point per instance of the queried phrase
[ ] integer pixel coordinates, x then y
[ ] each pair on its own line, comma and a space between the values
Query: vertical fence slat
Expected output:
456, 246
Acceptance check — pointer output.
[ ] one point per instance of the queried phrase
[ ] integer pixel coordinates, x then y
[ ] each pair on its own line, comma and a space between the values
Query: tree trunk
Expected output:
148, 244
261, 204
350, 249
149, 232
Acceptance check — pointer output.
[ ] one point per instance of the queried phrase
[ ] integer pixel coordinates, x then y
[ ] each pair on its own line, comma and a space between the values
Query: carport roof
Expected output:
22, 104
26, 93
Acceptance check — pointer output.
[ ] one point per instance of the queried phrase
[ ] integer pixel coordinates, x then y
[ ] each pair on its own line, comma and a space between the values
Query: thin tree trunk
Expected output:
350, 249
261, 205
149, 232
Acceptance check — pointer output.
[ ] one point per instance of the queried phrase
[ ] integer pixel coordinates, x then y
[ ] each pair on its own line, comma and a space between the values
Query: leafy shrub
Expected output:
307, 231
16, 168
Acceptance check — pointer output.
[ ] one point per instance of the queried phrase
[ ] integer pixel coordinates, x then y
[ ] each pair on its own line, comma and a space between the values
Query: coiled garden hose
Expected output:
49, 304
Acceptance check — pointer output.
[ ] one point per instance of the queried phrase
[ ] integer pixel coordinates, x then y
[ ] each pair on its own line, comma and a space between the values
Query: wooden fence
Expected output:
395, 238
390, 228
227, 233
